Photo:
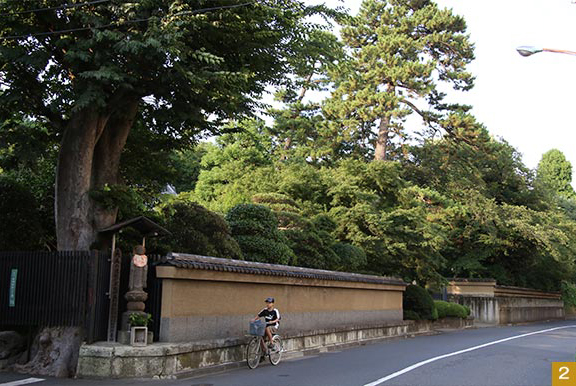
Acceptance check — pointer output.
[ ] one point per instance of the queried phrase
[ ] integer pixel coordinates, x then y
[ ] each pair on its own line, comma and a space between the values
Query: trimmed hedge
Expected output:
419, 301
255, 228
197, 230
351, 257
446, 309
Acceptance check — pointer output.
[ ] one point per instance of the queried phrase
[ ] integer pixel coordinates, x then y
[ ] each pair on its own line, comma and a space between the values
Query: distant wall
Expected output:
209, 298
493, 304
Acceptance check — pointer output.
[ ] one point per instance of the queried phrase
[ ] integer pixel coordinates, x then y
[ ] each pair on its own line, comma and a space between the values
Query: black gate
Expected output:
54, 289
67, 289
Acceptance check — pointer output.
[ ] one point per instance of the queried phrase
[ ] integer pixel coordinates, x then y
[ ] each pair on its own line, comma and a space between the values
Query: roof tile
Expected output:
189, 261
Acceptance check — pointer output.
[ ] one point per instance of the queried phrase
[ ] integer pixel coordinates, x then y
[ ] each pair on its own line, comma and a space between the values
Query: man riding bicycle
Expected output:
272, 317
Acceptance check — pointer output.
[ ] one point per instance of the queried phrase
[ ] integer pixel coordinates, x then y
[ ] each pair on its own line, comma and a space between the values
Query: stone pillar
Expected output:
136, 296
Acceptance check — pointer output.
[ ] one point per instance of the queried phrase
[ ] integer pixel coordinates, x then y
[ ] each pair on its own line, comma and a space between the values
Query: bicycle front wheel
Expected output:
253, 352
276, 350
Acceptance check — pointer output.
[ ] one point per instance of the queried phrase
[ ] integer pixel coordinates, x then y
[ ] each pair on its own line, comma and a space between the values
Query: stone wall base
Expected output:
113, 360
511, 310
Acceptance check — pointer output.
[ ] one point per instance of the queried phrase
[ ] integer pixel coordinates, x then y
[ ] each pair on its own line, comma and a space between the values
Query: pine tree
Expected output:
400, 51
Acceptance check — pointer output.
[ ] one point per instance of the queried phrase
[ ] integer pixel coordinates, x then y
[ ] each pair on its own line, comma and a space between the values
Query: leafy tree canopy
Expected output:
554, 172
400, 51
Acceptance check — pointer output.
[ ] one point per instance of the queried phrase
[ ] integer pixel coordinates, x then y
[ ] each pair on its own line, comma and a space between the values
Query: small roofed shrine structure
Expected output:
136, 296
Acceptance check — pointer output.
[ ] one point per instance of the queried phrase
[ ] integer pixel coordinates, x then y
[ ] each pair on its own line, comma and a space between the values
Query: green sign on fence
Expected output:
12, 294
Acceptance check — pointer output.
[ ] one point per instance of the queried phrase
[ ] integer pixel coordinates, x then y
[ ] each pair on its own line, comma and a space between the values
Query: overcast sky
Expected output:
530, 102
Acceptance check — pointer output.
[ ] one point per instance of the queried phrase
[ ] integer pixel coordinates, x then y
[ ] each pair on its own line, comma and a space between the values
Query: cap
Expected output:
269, 300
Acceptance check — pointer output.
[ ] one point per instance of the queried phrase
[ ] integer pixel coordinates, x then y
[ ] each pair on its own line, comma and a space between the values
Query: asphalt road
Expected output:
503, 356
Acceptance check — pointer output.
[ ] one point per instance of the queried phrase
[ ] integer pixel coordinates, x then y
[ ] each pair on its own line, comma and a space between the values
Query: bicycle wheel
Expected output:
253, 352
276, 350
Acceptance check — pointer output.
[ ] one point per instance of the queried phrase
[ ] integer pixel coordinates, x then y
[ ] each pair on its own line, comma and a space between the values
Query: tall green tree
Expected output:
555, 173
401, 51
235, 168
91, 70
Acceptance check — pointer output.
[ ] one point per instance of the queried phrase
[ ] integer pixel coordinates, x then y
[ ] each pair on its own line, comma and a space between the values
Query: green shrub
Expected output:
137, 319
352, 258
291, 220
446, 309
312, 249
255, 227
273, 198
568, 294
277, 202
417, 299
435, 314
411, 315
197, 230
468, 311
323, 222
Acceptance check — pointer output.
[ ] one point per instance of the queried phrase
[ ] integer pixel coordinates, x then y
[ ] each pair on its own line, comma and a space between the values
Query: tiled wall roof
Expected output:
182, 260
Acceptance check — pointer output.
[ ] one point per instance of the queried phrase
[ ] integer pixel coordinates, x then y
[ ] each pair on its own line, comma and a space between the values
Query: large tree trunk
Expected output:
89, 158
54, 352
382, 140
106, 165
74, 228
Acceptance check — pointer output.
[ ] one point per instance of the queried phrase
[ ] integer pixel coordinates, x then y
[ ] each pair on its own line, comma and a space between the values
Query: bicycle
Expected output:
254, 350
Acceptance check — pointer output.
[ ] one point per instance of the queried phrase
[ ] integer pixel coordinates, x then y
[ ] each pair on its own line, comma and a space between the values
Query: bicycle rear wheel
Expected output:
253, 352
276, 350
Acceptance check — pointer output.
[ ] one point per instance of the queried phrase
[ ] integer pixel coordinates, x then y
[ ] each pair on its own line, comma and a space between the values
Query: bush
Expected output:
568, 294
273, 198
197, 230
312, 249
418, 300
446, 309
291, 220
323, 222
264, 250
411, 315
255, 227
277, 202
352, 258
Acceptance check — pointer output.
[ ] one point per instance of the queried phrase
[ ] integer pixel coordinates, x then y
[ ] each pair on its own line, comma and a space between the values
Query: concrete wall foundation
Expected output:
164, 360
493, 304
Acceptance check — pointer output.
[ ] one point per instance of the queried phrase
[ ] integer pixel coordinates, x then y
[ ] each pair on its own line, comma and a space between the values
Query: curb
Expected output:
290, 355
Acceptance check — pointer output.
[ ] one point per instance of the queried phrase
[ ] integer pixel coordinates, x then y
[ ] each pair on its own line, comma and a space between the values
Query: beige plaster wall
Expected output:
198, 304
482, 289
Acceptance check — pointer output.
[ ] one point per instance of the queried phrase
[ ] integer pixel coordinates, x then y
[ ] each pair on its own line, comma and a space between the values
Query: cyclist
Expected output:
272, 317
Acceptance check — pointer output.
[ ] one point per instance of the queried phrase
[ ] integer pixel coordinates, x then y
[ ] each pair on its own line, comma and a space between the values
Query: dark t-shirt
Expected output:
269, 316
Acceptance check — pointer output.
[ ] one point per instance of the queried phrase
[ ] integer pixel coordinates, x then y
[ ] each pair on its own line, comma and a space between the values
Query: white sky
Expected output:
530, 102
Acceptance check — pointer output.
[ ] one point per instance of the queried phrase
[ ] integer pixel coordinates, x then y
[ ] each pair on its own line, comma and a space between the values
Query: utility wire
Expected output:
63, 6
202, 10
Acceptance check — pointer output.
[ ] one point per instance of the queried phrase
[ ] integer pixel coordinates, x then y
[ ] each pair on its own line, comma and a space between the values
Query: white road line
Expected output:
420, 364
22, 382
